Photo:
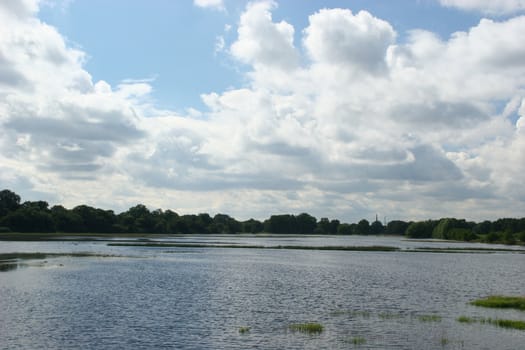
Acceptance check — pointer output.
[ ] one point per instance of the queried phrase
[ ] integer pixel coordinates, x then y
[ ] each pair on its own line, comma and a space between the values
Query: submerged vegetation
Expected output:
429, 318
244, 330
38, 218
504, 323
310, 327
13, 261
500, 301
248, 246
358, 340
40, 256
466, 319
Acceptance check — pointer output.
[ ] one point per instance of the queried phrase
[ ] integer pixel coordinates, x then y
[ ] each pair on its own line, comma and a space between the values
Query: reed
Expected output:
310, 327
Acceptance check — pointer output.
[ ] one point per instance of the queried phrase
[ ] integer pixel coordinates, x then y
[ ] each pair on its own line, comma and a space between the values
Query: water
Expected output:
198, 298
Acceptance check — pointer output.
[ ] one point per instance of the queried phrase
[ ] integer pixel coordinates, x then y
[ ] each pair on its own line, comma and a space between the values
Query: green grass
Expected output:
500, 301
389, 315
310, 328
512, 324
244, 330
429, 318
358, 341
466, 319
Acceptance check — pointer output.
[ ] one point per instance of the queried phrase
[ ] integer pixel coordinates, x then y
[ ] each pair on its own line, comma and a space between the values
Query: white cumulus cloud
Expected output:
495, 7
262, 42
337, 36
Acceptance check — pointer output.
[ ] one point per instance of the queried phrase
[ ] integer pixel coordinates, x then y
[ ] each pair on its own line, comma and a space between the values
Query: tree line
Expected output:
37, 216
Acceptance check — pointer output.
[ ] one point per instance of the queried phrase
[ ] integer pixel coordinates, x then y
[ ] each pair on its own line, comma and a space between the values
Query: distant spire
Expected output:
376, 217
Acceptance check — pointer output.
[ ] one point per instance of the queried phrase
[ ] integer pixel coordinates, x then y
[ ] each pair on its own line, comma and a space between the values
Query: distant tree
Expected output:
226, 224
252, 226
66, 220
482, 228
172, 220
36, 205
345, 229
508, 238
305, 224
28, 219
493, 237
521, 236
508, 225
323, 226
377, 228
396, 227
451, 228
334, 226
281, 224
363, 227
95, 220
421, 229
9, 201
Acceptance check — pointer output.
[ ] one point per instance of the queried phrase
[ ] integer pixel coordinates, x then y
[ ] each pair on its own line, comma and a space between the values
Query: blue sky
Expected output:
173, 42
342, 109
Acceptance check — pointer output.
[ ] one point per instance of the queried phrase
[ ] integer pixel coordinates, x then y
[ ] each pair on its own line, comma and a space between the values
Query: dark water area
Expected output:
199, 298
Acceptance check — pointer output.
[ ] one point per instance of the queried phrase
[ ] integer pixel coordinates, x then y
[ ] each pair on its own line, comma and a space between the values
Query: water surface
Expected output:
198, 298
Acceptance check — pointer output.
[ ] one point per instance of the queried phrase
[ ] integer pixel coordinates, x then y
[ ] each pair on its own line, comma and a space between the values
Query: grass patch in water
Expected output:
12, 261
464, 250
247, 246
17, 256
500, 301
244, 330
512, 324
389, 316
310, 327
40, 256
358, 340
466, 319
429, 318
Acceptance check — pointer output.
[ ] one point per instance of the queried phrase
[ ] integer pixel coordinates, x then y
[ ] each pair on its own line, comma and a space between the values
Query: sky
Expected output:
343, 109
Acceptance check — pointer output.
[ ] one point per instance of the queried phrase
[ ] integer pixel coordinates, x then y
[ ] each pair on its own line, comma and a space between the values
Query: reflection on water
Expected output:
200, 298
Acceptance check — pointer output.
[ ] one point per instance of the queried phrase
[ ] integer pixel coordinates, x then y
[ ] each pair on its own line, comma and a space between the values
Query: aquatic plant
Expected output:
244, 330
389, 315
310, 327
429, 318
358, 341
500, 301
513, 324
466, 319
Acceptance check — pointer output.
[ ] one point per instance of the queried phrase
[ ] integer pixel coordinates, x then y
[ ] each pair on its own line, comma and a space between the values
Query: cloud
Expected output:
214, 4
499, 7
18, 8
337, 36
262, 42
351, 123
